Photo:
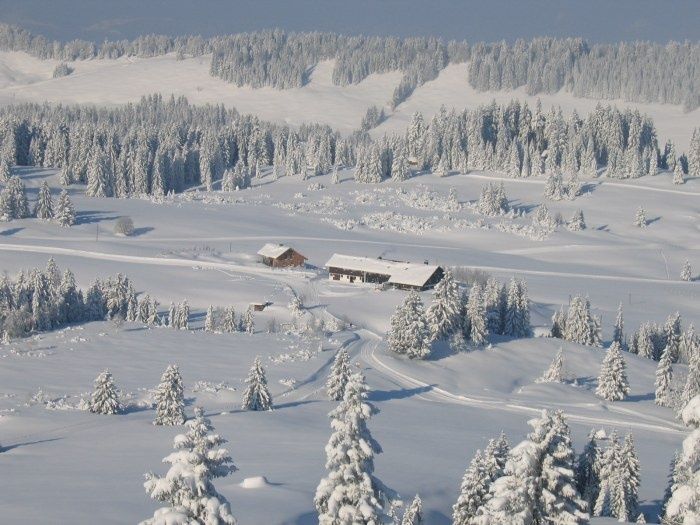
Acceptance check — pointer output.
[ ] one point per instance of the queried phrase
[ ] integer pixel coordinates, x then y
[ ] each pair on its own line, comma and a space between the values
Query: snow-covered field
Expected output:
25, 78
433, 415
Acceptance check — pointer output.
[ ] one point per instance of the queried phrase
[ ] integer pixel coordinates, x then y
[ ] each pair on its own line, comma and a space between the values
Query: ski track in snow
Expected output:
369, 343
162, 261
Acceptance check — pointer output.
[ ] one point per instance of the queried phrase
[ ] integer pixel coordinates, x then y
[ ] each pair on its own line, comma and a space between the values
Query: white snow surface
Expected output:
104, 81
433, 415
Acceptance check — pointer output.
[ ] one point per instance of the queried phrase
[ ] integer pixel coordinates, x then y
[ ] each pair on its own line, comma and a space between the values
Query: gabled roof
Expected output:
273, 250
406, 273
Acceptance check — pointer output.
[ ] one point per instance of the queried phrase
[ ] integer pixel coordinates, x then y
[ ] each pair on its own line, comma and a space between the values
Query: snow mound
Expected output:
256, 482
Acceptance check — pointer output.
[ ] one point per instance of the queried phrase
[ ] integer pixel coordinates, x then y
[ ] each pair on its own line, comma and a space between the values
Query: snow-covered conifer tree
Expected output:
399, 164
686, 271
65, 213
618, 330
414, 513
249, 321
209, 320
538, 484
662, 383
683, 507
417, 336
626, 495
640, 218
678, 174
339, 375
229, 323
581, 326
609, 480
442, 315
612, 381
555, 372
43, 209
256, 395
104, 399
476, 314
169, 398
187, 487
517, 318
473, 490
577, 222
350, 493
587, 466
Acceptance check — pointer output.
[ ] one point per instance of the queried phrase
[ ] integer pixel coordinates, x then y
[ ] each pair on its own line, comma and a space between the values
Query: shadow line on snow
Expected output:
28, 443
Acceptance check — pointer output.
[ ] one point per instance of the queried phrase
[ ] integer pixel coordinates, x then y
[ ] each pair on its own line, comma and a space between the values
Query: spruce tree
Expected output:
414, 513
609, 482
43, 209
229, 323
249, 321
473, 490
188, 486
443, 314
350, 493
476, 313
612, 381
538, 484
662, 383
626, 497
169, 398
683, 507
339, 376
691, 388
210, 321
587, 466
618, 330
686, 271
65, 213
640, 218
104, 399
417, 339
256, 395
577, 222
555, 372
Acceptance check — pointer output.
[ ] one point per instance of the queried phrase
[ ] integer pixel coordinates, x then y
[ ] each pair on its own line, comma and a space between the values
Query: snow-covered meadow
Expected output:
433, 415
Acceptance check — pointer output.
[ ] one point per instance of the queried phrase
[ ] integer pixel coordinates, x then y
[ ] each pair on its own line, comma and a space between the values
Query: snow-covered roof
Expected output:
411, 274
273, 250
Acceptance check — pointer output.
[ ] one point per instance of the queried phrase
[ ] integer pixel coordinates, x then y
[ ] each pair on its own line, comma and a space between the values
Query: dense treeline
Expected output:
154, 147
160, 146
636, 71
41, 300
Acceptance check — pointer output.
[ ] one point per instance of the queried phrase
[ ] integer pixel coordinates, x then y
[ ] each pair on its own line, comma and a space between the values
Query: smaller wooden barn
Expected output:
280, 256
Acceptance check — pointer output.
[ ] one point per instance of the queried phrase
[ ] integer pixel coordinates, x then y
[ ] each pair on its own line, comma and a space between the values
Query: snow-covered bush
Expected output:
124, 226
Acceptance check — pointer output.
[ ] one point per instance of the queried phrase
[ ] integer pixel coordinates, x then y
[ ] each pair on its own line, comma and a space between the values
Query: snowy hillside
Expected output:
201, 247
278, 278
26, 79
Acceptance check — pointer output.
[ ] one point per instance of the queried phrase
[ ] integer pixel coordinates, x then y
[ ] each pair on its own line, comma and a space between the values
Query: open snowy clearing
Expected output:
201, 247
27, 79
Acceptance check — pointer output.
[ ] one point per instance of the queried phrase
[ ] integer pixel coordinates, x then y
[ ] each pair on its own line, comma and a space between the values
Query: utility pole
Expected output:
97, 232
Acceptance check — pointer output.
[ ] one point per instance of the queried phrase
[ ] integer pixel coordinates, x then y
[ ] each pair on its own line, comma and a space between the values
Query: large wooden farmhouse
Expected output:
403, 275
280, 256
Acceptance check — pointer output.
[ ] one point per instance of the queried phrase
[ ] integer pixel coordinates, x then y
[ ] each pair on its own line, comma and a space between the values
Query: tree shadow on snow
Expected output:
91, 217
27, 443
649, 396
652, 221
141, 231
403, 393
11, 231
308, 518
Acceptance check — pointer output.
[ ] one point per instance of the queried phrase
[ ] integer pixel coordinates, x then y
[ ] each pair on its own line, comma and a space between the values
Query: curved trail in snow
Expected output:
259, 270
369, 343
597, 182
